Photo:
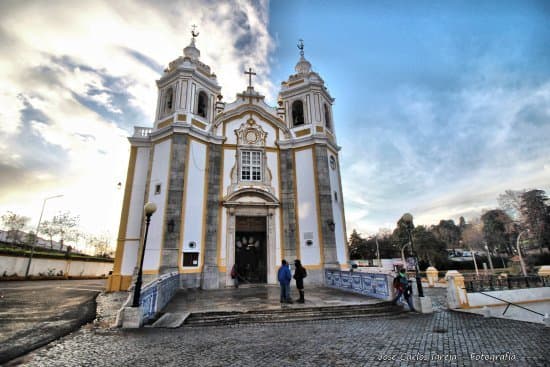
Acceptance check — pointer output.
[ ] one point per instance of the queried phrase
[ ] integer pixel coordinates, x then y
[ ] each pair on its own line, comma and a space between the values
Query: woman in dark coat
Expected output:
299, 274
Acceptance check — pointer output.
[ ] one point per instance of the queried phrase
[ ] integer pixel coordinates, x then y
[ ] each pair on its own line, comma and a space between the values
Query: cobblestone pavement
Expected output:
441, 339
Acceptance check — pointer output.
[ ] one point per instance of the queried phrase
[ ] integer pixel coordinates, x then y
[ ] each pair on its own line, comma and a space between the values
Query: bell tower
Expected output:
304, 101
187, 91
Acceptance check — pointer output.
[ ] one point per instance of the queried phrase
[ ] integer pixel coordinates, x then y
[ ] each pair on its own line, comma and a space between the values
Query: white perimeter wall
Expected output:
536, 299
195, 196
307, 206
133, 229
18, 265
159, 175
337, 212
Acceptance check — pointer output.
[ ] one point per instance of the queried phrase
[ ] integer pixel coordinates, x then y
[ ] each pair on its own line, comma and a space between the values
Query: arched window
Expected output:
327, 117
297, 113
202, 105
169, 100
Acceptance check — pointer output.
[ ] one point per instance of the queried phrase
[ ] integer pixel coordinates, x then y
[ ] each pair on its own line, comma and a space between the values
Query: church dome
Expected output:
191, 51
303, 66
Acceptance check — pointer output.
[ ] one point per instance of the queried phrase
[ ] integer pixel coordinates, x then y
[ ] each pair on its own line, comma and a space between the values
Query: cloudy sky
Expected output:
440, 106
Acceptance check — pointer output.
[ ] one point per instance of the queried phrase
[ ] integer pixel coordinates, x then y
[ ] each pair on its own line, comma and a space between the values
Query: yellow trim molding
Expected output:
165, 123
302, 132
198, 124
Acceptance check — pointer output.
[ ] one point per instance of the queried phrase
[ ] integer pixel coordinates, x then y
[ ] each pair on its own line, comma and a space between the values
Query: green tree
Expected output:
448, 232
536, 215
14, 223
428, 247
357, 246
496, 230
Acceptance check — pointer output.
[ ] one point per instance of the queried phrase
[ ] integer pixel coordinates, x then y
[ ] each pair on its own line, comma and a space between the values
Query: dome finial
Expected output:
193, 33
301, 47
191, 51
303, 66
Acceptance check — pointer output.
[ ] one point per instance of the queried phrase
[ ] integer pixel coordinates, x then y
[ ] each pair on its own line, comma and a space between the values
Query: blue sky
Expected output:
440, 106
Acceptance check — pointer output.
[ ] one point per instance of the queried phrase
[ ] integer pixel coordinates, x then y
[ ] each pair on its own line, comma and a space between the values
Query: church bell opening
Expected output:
250, 249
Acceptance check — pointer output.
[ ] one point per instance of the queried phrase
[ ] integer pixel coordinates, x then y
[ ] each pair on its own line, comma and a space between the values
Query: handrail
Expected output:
510, 303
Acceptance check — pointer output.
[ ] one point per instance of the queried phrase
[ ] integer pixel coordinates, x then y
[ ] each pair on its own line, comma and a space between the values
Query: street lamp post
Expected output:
403, 254
407, 218
519, 254
377, 251
489, 258
149, 209
475, 262
36, 233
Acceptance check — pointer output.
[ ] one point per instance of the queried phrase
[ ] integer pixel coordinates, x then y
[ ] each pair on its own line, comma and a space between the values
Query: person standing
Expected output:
399, 284
403, 289
235, 275
284, 277
299, 274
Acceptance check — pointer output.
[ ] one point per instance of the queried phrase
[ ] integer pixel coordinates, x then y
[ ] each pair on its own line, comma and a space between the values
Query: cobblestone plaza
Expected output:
442, 338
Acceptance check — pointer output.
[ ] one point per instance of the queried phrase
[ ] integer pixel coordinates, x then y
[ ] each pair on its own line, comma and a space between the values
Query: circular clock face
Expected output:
251, 136
332, 162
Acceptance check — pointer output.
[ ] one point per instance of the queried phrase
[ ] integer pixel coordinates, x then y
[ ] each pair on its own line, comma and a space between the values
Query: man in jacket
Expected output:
284, 277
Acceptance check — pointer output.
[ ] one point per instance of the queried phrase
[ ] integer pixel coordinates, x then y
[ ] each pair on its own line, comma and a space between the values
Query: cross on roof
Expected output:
250, 73
193, 31
301, 47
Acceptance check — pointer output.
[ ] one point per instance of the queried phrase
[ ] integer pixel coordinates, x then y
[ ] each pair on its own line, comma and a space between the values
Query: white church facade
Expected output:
238, 183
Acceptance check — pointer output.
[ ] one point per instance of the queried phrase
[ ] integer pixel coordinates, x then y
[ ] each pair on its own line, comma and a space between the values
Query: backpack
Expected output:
396, 282
233, 273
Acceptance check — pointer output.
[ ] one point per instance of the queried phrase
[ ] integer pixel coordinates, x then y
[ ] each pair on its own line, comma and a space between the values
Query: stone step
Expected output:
291, 314
293, 309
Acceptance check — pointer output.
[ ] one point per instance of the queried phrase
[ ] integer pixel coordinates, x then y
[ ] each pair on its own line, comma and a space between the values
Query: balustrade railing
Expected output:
494, 283
142, 132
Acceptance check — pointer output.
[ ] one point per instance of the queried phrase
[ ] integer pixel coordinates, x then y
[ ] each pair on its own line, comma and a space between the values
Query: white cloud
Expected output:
74, 82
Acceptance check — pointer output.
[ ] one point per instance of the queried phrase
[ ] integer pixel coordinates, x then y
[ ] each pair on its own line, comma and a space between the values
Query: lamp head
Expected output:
407, 218
149, 209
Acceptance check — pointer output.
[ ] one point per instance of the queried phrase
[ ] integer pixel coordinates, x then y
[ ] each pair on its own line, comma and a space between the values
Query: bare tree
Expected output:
14, 223
64, 223
472, 235
100, 244
511, 202
49, 229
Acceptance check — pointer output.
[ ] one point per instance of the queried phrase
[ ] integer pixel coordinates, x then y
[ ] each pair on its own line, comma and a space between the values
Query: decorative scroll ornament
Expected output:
251, 134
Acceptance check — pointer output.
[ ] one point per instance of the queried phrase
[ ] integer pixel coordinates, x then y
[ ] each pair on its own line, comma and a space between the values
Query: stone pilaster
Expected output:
288, 203
210, 271
170, 247
324, 193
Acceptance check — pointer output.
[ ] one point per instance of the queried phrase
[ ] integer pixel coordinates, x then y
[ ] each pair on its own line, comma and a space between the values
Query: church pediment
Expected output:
250, 197
252, 110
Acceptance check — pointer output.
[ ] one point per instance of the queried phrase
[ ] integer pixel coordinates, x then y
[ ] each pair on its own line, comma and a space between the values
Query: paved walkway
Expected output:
441, 339
260, 297
33, 313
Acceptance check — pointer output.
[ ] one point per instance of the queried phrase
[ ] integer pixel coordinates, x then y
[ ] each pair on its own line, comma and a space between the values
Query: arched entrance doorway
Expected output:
252, 235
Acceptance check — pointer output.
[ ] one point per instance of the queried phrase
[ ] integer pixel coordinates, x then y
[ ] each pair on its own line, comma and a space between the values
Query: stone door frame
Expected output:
244, 210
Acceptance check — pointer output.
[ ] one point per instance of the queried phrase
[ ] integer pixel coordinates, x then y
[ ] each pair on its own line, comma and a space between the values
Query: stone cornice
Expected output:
249, 108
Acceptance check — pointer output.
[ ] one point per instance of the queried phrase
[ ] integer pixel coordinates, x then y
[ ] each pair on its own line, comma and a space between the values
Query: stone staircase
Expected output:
286, 314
